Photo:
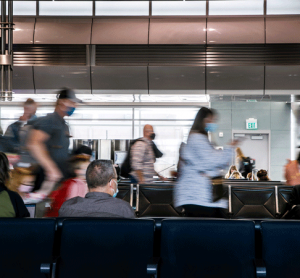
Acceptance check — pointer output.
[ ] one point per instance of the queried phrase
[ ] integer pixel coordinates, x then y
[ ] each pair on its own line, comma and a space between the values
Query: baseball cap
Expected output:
68, 94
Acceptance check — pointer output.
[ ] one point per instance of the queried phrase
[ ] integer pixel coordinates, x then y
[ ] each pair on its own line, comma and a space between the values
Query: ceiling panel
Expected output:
23, 32
23, 80
283, 30
120, 31
50, 78
282, 80
235, 30
235, 80
185, 80
177, 31
120, 79
63, 31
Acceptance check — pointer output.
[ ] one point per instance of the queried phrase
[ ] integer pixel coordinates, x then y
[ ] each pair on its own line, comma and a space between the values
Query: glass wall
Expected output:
171, 126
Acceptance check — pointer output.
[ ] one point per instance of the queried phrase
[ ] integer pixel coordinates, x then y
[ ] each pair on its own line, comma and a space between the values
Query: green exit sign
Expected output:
251, 123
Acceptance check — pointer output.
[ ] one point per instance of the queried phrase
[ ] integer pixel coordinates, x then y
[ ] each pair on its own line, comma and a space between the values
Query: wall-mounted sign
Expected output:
251, 123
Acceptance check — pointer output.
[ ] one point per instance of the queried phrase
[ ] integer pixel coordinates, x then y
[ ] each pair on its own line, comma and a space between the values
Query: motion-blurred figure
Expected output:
291, 172
199, 163
49, 142
16, 132
143, 157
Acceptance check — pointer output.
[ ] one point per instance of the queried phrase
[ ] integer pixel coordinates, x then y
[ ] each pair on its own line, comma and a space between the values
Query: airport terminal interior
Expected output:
155, 65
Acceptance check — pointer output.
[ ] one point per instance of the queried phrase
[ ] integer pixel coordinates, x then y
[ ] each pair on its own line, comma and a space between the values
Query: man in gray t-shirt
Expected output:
101, 179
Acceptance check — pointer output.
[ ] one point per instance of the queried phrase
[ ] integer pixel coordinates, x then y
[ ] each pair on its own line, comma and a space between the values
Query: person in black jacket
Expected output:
11, 204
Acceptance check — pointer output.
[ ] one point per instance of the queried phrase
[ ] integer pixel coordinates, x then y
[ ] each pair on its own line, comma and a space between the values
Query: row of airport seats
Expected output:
266, 200
123, 248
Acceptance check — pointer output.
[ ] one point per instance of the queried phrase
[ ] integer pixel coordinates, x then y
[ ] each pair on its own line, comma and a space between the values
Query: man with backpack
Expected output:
142, 158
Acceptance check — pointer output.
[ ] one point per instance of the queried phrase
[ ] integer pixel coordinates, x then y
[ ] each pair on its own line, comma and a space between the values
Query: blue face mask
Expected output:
211, 127
70, 111
116, 193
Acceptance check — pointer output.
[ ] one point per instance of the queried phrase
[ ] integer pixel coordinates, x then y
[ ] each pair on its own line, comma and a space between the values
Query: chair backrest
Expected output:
253, 202
284, 195
207, 248
155, 201
25, 245
281, 248
105, 248
126, 193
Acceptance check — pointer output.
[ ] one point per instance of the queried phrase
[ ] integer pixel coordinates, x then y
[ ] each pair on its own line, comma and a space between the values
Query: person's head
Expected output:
262, 175
66, 102
4, 169
101, 176
80, 164
148, 132
204, 121
83, 151
249, 176
232, 169
30, 107
235, 175
239, 153
22, 179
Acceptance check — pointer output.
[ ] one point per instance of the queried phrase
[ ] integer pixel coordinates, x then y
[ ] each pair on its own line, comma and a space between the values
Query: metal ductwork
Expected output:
6, 60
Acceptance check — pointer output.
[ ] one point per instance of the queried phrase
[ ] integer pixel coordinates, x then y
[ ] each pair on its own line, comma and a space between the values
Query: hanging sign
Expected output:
251, 123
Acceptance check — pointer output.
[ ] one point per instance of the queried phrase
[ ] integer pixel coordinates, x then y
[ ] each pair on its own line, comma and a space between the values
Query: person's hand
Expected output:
234, 143
53, 174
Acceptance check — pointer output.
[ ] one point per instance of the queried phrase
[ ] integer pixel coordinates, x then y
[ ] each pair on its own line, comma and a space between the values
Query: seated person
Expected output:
230, 171
262, 175
72, 187
11, 204
250, 177
293, 205
236, 176
22, 178
102, 183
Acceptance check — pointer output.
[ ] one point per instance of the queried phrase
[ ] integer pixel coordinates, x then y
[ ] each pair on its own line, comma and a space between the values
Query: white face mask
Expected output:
115, 192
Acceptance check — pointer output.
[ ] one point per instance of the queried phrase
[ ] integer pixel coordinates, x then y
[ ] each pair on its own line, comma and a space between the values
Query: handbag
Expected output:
217, 188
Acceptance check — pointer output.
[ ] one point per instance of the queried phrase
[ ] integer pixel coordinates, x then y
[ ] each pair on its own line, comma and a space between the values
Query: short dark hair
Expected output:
29, 101
4, 169
99, 173
198, 125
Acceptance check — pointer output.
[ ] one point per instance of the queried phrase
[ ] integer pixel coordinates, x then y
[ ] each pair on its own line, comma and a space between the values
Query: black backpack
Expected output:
126, 165
248, 164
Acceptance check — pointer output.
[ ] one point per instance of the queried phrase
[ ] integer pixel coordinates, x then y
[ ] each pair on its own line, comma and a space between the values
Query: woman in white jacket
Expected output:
199, 163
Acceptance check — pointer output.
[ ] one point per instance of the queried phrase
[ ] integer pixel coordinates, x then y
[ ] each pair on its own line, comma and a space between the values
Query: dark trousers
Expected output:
200, 211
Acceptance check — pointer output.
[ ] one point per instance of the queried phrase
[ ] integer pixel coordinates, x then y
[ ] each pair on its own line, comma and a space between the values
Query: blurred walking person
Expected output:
49, 144
199, 163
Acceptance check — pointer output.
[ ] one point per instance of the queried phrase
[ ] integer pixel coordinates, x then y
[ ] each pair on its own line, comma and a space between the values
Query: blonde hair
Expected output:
236, 175
17, 176
229, 171
239, 153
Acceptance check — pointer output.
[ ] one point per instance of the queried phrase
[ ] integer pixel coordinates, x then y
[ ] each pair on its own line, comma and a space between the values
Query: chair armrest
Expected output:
152, 266
49, 269
260, 268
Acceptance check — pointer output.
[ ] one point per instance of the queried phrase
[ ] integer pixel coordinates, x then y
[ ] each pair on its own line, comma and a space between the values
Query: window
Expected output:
239, 7
122, 8
81, 8
283, 7
179, 8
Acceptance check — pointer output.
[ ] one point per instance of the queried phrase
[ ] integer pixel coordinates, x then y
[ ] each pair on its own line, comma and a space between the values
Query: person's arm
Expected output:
205, 157
37, 145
